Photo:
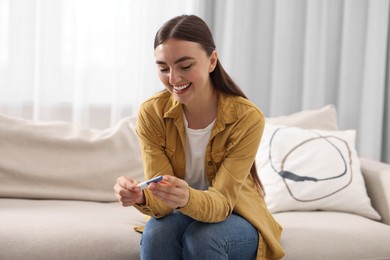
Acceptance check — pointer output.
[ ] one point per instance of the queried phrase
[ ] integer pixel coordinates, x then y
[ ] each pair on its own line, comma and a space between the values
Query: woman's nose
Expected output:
174, 77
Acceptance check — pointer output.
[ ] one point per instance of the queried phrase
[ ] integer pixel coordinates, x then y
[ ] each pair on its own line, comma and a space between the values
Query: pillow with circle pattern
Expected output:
308, 169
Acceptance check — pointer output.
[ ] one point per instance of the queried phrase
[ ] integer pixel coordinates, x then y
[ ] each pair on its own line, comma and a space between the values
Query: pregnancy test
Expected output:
145, 184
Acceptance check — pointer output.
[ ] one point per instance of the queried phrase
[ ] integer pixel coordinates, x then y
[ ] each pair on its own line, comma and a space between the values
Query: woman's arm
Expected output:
151, 135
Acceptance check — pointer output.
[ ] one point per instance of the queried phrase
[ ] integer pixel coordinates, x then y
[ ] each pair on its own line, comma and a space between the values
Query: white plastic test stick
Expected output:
145, 184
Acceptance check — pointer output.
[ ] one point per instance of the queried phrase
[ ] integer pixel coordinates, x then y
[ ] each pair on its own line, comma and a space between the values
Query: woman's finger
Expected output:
173, 191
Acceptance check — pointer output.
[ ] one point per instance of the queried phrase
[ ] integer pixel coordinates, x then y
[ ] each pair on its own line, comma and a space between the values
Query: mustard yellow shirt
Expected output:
230, 153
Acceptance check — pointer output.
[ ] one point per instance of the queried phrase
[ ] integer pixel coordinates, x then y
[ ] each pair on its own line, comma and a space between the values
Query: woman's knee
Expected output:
161, 238
230, 239
162, 229
153, 231
166, 229
202, 238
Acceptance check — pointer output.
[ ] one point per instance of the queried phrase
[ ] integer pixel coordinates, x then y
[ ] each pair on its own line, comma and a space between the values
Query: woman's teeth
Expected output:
178, 88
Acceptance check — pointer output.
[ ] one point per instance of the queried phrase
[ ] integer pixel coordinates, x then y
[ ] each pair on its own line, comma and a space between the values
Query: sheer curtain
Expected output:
303, 54
86, 61
91, 61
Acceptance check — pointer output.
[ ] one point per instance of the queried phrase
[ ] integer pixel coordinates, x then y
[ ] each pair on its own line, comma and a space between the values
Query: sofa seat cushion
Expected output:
333, 235
55, 229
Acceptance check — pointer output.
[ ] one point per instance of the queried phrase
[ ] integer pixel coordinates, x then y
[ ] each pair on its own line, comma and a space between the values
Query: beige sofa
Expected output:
57, 201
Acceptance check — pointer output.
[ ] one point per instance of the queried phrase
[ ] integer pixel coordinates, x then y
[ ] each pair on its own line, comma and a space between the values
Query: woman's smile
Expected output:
181, 88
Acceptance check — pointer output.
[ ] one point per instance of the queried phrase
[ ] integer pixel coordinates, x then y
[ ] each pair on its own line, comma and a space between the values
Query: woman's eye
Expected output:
186, 67
163, 70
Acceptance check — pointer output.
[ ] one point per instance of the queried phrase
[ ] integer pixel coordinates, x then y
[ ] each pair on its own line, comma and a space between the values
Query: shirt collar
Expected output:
227, 111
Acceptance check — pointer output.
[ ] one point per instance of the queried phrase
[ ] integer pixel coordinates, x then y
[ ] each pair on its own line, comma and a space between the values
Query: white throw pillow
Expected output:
307, 169
59, 160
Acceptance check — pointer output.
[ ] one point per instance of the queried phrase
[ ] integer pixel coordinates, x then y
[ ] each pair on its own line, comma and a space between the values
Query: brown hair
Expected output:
194, 29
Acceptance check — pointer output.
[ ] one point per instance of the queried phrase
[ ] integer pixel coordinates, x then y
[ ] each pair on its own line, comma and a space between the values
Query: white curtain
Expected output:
86, 61
91, 61
290, 55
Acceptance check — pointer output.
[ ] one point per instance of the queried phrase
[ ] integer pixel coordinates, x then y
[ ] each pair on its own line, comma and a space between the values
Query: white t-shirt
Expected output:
196, 142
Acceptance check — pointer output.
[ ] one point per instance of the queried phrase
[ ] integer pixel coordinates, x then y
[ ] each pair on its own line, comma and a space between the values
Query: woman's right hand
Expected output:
127, 192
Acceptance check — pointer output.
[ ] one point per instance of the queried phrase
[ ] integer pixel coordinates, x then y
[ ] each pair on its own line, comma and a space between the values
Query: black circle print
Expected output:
312, 178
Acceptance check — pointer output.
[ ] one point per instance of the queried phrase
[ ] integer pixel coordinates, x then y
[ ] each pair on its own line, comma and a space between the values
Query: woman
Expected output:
201, 134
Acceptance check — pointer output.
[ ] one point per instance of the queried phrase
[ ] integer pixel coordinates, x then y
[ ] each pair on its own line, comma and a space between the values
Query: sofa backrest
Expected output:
58, 160
324, 118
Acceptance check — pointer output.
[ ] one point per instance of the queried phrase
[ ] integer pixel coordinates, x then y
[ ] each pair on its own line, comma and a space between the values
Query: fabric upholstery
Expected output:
333, 235
63, 230
324, 118
377, 178
59, 160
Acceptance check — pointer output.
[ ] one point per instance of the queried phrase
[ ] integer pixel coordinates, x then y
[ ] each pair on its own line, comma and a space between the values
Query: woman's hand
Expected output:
173, 191
127, 192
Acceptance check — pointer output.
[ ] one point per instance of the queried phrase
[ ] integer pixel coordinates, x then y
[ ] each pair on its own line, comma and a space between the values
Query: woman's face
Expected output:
184, 67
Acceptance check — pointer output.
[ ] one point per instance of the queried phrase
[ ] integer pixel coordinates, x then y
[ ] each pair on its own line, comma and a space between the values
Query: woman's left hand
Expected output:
172, 190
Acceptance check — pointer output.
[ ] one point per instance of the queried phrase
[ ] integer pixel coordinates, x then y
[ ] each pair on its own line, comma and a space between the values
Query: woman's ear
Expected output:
213, 61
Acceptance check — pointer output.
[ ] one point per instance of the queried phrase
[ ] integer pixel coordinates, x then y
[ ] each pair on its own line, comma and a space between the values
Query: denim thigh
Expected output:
162, 237
178, 236
233, 238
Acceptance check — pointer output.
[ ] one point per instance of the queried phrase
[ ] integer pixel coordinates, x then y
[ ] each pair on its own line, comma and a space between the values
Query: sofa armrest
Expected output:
377, 179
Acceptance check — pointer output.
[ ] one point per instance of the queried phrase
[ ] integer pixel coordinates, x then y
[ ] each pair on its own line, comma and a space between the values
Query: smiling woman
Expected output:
215, 210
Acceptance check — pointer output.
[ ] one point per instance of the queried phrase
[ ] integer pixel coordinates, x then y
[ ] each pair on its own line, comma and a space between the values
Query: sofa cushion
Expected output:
332, 235
60, 229
58, 160
324, 118
307, 169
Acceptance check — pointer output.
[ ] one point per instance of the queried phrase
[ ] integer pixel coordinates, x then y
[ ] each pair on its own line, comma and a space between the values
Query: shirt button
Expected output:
210, 163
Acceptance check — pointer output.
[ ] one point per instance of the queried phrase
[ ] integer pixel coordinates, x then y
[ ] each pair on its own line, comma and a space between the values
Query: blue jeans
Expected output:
178, 236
